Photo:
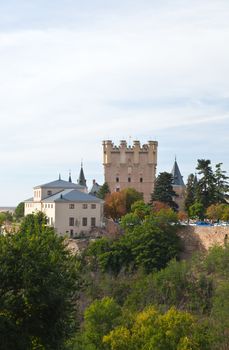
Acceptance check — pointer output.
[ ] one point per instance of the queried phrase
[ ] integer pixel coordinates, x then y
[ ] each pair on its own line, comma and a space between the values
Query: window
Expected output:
71, 221
84, 222
93, 222
48, 205
84, 206
71, 206
51, 205
141, 179
117, 179
117, 189
129, 179
93, 206
49, 193
71, 233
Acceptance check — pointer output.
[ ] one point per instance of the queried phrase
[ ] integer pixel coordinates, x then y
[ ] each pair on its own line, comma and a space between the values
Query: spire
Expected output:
82, 180
70, 177
177, 177
59, 177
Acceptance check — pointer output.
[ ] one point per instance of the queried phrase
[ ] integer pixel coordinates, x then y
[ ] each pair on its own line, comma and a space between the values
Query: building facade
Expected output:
67, 206
130, 166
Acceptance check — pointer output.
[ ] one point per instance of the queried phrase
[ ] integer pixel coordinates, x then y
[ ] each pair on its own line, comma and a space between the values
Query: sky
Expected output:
74, 73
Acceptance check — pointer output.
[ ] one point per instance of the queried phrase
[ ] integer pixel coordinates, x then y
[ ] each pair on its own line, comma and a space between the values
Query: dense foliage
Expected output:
39, 283
211, 188
163, 190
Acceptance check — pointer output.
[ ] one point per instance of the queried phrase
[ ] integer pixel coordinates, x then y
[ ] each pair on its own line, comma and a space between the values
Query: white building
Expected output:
69, 209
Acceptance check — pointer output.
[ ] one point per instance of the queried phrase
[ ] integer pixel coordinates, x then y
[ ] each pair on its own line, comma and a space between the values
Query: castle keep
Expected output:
130, 166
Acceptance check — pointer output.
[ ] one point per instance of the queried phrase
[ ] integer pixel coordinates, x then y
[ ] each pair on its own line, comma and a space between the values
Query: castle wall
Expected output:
130, 166
201, 239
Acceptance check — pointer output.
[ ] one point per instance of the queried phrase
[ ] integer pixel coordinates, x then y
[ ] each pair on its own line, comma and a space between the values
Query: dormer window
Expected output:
49, 192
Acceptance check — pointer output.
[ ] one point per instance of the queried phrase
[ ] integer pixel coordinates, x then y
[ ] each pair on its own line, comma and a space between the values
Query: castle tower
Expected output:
126, 166
178, 185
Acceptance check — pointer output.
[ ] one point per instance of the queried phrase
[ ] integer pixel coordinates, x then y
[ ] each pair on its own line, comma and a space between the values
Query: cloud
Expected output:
114, 72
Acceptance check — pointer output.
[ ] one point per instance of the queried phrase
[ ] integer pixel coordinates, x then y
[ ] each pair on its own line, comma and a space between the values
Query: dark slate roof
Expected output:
71, 195
82, 180
177, 177
28, 200
95, 188
61, 184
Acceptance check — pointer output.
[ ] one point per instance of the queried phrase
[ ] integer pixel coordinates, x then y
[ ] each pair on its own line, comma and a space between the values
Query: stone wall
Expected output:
198, 238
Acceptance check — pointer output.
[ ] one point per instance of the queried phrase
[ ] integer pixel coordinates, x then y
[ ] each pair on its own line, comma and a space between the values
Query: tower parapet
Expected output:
130, 166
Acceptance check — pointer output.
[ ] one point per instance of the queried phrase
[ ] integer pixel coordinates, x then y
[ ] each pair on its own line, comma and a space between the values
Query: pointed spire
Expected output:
59, 177
70, 177
177, 177
82, 181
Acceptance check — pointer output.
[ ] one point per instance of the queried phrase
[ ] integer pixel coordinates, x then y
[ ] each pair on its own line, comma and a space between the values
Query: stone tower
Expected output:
178, 186
126, 166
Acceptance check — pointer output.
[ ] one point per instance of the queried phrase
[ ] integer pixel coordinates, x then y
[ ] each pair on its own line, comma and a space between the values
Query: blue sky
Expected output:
76, 72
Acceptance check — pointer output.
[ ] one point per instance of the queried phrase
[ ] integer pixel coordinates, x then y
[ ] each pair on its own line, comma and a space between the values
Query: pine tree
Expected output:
190, 191
206, 186
222, 185
103, 191
163, 190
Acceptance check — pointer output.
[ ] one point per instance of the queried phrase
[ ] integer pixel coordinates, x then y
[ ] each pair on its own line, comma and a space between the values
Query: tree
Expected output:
131, 196
222, 185
215, 212
174, 330
190, 195
206, 186
163, 190
115, 205
103, 191
100, 318
39, 283
196, 211
19, 211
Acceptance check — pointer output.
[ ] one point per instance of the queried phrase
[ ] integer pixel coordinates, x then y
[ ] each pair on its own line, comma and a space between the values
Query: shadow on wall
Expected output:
201, 239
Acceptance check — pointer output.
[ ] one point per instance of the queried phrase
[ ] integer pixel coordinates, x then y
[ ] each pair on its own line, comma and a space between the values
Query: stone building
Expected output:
130, 166
67, 206
178, 186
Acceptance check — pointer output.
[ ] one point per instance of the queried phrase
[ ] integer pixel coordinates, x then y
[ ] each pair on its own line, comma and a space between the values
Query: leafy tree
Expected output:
225, 215
190, 196
141, 209
206, 186
215, 212
222, 184
196, 210
103, 191
19, 211
34, 223
100, 318
174, 330
131, 196
39, 283
163, 190
2, 218
115, 205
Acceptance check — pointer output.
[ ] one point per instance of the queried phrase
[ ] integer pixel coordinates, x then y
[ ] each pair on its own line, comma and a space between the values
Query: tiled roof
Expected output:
60, 184
71, 195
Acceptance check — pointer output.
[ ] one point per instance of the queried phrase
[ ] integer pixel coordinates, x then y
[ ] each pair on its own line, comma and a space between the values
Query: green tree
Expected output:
131, 196
99, 319
190, 195
19, 211
163, 190
196, 211
174, 330
222, 184
206, 186
103, 191
39, 283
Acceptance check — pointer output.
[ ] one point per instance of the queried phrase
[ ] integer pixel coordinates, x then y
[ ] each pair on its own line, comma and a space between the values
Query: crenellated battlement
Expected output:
130, 165
109, 145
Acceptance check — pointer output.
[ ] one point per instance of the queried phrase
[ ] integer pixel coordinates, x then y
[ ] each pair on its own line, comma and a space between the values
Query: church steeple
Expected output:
82, 181
69, 177
177, 177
